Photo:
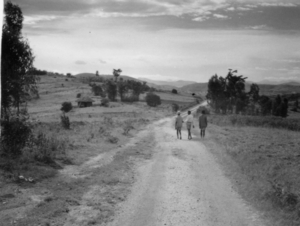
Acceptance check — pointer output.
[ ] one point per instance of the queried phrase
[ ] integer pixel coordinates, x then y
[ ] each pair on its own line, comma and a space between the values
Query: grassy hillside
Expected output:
262, 159
91, 75
86, 76
198, 88
47, 182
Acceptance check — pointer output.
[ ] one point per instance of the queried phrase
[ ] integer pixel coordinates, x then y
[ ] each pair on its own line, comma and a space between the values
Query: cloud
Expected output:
243, 9
38, 18
80, 62
278, 4
220, 16
230, 9
168, 13
102, 61
201, 19
259, 27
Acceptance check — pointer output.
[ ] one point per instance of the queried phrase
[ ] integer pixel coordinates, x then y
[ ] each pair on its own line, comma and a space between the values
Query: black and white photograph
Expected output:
150, 113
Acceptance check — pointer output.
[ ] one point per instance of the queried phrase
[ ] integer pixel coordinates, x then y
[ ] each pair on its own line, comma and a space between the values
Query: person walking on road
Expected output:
189, 124
178, 125
202, 123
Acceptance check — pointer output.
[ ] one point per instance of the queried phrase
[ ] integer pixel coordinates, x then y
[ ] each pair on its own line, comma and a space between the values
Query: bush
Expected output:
174, 91
112, 139
201, 108
14, 136
152, 99
78, 95
128, 125
66, 106
65, 122
175, 107
45, 149
105, 102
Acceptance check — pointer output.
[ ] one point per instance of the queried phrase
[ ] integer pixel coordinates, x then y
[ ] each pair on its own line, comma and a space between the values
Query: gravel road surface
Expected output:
182, 185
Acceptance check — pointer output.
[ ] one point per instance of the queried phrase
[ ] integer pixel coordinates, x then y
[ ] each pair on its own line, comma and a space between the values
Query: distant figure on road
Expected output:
178, 124
202, 123
189, 124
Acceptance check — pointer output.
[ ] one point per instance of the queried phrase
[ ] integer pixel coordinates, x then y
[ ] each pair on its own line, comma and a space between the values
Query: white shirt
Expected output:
190, 118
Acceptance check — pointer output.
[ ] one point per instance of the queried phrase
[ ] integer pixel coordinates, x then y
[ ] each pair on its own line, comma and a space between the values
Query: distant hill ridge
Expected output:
178, 83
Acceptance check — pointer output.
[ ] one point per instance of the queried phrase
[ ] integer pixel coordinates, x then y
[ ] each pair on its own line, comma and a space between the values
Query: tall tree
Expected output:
116, 73
276, 106
216, 92
254, 92
17, 60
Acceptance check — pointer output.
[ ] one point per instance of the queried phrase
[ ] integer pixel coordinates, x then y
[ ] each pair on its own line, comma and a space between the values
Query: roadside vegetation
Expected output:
256, 139
264, 164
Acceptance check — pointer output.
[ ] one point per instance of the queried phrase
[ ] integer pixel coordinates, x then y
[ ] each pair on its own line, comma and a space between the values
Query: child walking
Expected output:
202, 123
189, 124
178, 125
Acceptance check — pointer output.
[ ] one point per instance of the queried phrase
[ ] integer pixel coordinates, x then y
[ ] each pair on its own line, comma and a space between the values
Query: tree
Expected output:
66, 107
111, 90
254, 92
296, 105
116, 73
276, 106
225, 93
215, 94
130, 90
152, 99
17, 60
123, 89
174, 91
97, 90
284, 108
97, 73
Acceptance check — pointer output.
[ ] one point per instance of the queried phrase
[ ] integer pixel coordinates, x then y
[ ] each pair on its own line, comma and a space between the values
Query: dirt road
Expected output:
182, 185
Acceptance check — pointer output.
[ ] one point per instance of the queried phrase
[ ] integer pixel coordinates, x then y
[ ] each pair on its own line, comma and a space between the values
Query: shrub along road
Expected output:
183, 185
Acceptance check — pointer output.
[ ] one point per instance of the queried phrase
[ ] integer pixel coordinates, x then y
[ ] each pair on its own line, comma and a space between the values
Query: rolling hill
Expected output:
178, 84
126, 77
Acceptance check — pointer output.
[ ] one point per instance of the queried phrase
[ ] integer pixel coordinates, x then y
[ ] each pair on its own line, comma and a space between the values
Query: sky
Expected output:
166, 39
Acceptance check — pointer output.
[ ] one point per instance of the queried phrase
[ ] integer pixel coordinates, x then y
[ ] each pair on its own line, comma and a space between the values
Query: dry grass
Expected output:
264, 164
93, 131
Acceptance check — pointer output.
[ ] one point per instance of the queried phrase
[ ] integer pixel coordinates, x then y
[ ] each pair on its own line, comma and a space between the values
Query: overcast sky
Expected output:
166, 39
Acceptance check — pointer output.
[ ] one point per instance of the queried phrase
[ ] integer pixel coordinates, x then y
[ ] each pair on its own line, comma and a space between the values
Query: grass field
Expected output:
264, 164
94, 131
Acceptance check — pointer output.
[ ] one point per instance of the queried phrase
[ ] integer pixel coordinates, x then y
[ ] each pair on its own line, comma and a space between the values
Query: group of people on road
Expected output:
190, 123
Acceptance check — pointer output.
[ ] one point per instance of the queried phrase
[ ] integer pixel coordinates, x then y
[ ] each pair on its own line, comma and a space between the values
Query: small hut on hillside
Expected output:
84, 102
